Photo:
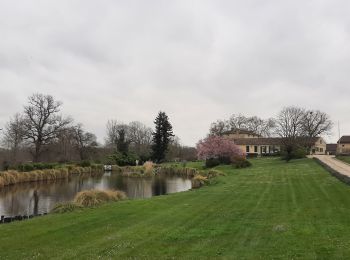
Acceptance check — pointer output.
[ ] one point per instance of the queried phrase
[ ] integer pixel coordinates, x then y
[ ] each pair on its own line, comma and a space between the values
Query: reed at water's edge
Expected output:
13, 177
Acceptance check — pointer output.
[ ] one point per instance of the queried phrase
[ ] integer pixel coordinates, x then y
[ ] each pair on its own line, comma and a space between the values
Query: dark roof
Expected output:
258, 141
331, 147
240, 131
272, 141
345, 139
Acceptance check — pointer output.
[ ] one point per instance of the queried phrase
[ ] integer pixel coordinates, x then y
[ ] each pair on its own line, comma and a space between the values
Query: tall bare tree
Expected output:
84, 141
140, 137
316, 123
66, 144
137, 135
113, 130
13, 135
289, 126
42, 122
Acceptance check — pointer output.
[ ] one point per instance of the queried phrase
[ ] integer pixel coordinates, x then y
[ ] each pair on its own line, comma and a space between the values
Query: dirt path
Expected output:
337, 165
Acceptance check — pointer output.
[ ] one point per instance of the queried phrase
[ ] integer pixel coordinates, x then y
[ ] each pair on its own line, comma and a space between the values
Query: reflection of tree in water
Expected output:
36, 202
159, 186
139, 187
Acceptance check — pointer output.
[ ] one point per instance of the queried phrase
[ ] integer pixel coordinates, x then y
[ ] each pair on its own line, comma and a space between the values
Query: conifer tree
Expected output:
161, 136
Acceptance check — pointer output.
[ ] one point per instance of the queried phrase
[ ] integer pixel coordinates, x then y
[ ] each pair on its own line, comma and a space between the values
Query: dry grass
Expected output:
65, 207
92, 198
13, 177
149, 167
178, 171
199, 180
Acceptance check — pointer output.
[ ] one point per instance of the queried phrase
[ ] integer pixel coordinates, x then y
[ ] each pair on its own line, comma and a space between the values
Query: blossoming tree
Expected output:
218, 147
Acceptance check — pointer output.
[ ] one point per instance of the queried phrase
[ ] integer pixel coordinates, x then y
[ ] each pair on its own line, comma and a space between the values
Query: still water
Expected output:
40, 197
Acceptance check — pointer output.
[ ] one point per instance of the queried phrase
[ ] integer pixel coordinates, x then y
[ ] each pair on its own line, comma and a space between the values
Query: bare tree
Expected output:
267, 128
238, 122
113, 131
137, 135
13, 135
84, 141
42, 122
316, 123
219, 127
140, 137
289, 126
66, 144
254, 124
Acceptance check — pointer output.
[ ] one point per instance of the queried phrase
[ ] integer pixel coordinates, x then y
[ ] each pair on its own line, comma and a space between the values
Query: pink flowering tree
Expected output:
217, 147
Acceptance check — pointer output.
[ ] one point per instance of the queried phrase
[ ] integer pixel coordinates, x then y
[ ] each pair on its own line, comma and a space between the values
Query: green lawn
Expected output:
272, 210
344, 158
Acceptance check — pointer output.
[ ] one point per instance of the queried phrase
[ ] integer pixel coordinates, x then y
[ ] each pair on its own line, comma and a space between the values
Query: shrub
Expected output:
225, 160
295, 153
199, 180
92, 198
212, 162
28, 167
214, 173
240, 162
299, 153
5, 165
65, 207
84, 163
124, 159
149, 166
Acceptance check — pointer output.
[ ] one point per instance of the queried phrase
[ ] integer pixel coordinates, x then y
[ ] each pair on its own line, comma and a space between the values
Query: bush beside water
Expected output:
91, 198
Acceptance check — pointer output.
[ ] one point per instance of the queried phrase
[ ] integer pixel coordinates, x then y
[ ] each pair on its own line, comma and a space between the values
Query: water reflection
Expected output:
40, 197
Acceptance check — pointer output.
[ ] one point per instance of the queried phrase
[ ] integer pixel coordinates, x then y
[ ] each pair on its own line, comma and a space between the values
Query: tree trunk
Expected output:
37, 152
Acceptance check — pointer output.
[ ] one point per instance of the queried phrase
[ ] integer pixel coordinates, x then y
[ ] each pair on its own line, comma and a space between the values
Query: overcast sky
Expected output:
196, 60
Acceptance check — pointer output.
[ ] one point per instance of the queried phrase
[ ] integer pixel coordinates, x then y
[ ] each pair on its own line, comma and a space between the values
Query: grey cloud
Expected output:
198, 60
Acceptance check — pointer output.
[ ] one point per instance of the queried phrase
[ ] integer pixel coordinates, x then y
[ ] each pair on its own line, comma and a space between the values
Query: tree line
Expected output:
295, 126
41, 133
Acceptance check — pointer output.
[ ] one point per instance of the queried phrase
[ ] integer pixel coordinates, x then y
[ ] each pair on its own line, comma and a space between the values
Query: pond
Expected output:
40, 197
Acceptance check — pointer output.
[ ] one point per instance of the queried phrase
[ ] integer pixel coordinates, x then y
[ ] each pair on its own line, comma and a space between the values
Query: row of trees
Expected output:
263, 127
136, 141
41, 125
41, 133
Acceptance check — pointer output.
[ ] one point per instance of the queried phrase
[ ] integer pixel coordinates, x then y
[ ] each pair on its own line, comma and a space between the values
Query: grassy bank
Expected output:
271, 210
344, 158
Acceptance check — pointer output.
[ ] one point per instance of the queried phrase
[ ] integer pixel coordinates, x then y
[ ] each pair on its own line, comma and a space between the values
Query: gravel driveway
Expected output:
337, 165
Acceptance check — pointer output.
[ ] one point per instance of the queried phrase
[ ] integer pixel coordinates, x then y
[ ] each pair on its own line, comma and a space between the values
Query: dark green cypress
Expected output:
161, 137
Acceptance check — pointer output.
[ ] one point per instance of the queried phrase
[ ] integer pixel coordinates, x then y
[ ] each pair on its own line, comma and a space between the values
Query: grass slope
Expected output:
344, 158
272, 210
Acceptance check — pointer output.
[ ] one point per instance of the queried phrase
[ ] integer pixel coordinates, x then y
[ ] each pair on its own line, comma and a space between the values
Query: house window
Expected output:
321, 150
255, 149
247, 148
